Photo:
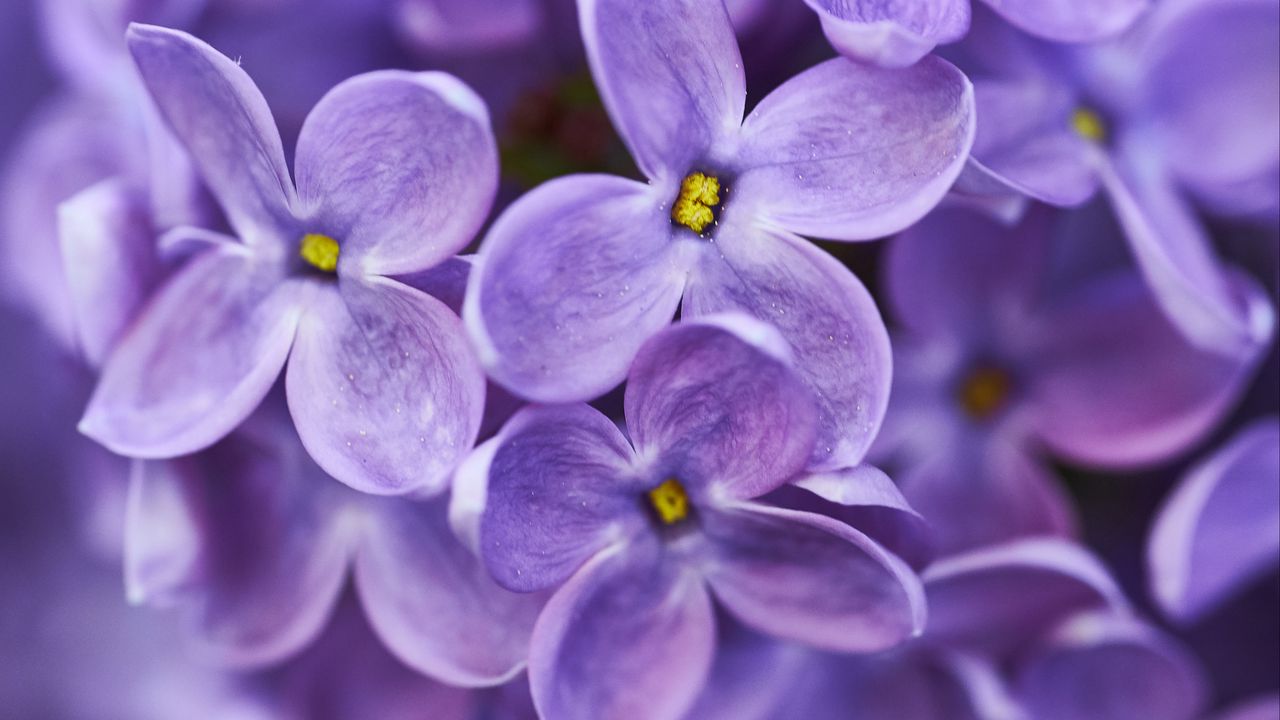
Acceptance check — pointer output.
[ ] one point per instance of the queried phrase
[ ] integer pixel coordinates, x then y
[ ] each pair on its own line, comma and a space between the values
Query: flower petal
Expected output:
560, 487
221, 118
810, 578
199, 359
383, 387
628, 636
853, 152
1265, 707
469, 26
1071, 21
1108, 667
838, 339
571, 280
1221, 526
670, 74
716, 404
431, 601
400, 168
1117, 384
892, 35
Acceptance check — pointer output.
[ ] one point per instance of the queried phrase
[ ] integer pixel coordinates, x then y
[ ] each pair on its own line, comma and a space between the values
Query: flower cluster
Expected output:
513, 359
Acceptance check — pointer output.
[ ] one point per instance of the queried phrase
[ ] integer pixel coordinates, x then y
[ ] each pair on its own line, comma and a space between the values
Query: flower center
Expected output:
669, 501
985, 392
1088, 124
695, 205
320, 251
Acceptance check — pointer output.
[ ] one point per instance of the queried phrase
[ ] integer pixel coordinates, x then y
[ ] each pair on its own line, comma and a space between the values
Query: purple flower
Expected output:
395, 173
578, 273
1220, 527
470, 26
898, 33
635, 529
994, 362
1185, 104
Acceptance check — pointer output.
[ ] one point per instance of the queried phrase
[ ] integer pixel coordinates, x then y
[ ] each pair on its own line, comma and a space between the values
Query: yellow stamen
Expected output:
699, 193
321, 251
1088, 125
985, 392
669, 501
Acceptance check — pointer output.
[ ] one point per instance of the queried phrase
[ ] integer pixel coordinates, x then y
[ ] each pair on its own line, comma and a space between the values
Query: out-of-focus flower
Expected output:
1186, 104
898, 33
577, 274
1221, 526
992, 369
639, 532
381, 383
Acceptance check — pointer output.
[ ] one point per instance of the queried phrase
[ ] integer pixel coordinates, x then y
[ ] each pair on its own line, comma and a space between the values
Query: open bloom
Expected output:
995, 363
578, 273
395, 172
1184, 106
635, 530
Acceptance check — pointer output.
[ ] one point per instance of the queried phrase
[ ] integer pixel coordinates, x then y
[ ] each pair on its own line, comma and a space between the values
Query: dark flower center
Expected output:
985, 391
1088, 124
669, 502
319, 251
696, 204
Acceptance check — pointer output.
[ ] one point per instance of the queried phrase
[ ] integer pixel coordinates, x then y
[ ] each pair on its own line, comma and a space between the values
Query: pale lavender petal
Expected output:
810, 578
715, 403
383, 386
1111, 667
218, 114
199, 359
1266, 707
853, 152
431, 601
670, 74
892, 34
1071, 20
1003, 598
1117, 384
571, 280
110, 258
469, 26
400, 168
1221, 527
628, 636
839, 342
561, 486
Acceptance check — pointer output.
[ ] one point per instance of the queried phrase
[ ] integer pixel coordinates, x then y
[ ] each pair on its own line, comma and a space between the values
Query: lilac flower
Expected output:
577, 274
898, 33
470, 26
395, 172
994, 365
1185, 104
635, 530
1220, 527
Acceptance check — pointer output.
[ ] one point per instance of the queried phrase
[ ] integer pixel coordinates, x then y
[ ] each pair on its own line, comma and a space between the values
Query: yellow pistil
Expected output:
699, 193
984, 392
1088, 125
669, 501
320, 251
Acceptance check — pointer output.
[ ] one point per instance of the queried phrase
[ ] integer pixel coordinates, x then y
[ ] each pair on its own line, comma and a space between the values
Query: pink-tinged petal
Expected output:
1261, 708
838, 340
383, 386
1116, 384
400, 168
1003, 598
469, 26
111, 263
246, 538
1100, 666
431, 601
628, 636
1221, 527
221, 118
853, 152
199, 359
1173, 251
809, 578
894, 34
715, 403
560, 485
1071, 21
670, 74
571, 280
